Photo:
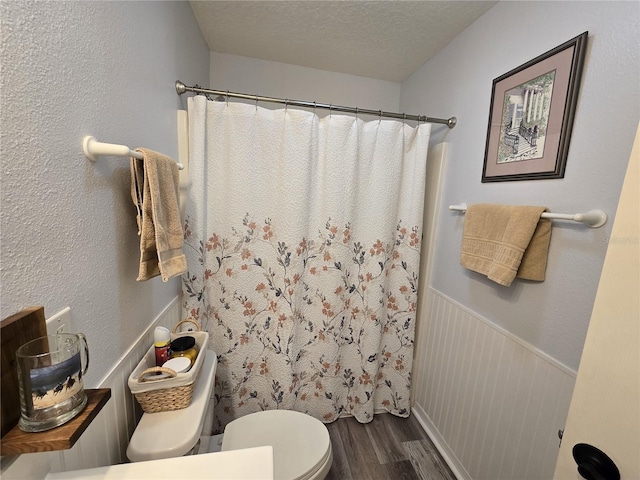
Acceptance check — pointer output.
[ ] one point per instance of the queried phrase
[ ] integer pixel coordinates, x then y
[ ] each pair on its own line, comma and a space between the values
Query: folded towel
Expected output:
503, 242
155, 191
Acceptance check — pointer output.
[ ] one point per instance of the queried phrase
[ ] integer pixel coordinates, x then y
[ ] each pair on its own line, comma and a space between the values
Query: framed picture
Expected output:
531, 116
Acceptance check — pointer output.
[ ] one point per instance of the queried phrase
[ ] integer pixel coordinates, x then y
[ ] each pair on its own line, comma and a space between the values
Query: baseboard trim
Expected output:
432, 432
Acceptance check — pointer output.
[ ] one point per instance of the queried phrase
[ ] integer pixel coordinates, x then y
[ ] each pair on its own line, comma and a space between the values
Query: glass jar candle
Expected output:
184, 347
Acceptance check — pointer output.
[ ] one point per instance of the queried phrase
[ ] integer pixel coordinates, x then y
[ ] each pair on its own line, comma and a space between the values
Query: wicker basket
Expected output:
170, 391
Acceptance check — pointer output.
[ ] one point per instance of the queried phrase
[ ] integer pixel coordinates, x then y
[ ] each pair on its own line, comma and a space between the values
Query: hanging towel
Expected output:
503, 242
155, 191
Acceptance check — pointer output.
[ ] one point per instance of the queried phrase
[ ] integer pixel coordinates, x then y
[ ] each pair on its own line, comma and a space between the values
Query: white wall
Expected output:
611, 358
281, 80
551, 316
69, 235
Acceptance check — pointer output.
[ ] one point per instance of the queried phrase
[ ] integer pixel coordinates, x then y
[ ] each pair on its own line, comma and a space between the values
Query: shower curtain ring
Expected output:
356, 113
227, 97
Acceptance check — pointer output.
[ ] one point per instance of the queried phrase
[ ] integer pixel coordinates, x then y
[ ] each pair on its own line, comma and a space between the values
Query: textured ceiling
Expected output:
384, 39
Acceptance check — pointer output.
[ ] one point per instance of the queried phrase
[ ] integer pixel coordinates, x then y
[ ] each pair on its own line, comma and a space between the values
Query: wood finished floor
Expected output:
387, 448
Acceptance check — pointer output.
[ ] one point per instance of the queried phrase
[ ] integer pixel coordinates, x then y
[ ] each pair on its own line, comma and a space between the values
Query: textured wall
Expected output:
69, 235
553, 315
281, 80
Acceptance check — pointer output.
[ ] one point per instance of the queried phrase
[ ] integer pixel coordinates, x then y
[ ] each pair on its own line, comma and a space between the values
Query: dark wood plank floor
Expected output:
388, 447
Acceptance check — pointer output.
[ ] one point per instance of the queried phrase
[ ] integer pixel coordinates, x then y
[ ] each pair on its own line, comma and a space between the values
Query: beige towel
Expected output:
503, 241
155, 191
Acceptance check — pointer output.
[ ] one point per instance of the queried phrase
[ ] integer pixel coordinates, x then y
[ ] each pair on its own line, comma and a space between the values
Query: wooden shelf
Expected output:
17, 442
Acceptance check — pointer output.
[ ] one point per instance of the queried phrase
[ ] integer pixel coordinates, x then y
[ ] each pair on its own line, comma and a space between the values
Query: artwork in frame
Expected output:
531, 116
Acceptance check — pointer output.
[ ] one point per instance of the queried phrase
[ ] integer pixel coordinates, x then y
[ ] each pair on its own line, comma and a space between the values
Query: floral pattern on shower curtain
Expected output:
303, 238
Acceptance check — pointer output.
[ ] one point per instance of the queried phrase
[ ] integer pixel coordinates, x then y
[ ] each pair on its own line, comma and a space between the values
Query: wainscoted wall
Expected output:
492, 403
105, 441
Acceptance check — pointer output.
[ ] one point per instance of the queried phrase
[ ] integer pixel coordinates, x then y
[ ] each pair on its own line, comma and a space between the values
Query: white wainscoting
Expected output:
492, 403
105, 441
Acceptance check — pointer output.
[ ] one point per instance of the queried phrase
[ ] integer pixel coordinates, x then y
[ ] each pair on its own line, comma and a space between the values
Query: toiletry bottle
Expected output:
162, 342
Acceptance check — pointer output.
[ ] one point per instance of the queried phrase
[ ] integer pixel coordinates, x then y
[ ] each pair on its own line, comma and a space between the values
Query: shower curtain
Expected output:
302, 237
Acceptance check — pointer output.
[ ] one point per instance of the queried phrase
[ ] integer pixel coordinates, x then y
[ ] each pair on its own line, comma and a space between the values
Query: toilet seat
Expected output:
301, 443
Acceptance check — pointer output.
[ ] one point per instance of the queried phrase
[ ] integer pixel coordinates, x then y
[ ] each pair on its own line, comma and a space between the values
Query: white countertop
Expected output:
248, 464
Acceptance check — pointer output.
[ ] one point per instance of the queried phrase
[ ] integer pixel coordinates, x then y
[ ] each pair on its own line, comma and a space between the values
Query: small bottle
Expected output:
162, 342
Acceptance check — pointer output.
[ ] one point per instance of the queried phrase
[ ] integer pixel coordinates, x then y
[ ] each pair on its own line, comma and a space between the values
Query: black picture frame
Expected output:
531, 115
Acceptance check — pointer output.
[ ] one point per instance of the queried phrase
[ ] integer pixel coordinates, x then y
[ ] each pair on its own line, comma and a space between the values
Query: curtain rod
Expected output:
182, 88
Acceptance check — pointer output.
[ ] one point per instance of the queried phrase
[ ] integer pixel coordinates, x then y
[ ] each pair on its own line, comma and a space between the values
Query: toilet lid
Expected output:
301, 444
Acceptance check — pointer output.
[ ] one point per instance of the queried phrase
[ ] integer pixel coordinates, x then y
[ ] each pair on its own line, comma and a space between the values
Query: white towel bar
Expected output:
592, 218
93, 149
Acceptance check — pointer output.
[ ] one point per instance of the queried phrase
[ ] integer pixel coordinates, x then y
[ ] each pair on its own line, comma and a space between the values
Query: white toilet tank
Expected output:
299, 445
175, 433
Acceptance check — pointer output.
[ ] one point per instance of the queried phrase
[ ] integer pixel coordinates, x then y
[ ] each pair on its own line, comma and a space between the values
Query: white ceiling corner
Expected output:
383, 39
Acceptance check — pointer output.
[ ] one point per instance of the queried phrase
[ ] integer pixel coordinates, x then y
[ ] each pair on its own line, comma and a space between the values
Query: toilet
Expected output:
301, 443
